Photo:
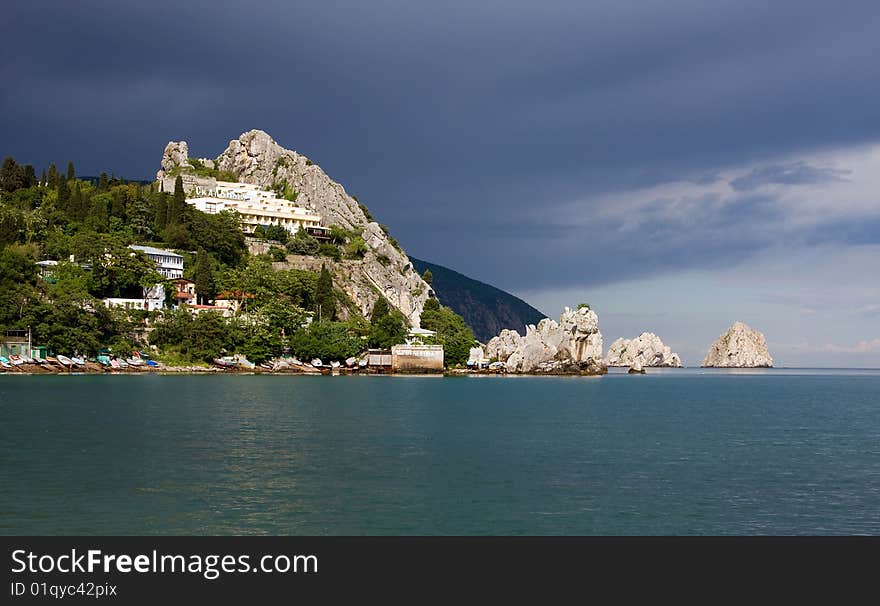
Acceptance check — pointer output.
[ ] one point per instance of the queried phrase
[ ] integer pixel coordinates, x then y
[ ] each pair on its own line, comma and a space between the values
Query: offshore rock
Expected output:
636, 368
739, 347
571, 346
647, 349
385, 270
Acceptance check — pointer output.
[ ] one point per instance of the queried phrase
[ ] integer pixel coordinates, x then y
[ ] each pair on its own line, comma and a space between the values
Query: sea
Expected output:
672, 452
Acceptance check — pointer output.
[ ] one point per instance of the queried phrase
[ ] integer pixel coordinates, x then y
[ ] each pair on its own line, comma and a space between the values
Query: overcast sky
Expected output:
679, 164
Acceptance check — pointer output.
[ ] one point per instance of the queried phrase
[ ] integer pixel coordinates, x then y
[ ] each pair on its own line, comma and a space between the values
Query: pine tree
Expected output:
428, 277
63, 194
204, 277
9, 175
70, 174
380, 309
177, 204
103, 182
325, 300
43, 178
52, 176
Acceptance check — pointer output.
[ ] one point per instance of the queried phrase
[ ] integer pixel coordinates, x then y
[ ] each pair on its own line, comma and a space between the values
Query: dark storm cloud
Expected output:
456, 121
795, 173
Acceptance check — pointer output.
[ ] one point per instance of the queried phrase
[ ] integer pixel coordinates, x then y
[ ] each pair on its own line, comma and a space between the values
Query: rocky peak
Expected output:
739, 347
256, 158
176, 154
645, 350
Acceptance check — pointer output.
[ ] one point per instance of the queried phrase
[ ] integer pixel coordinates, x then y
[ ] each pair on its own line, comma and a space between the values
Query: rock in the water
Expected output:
739, 347
647, 349
636, 368
571, 346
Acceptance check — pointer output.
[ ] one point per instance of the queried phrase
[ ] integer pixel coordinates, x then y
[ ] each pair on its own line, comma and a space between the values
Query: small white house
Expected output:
168, 263
418, 336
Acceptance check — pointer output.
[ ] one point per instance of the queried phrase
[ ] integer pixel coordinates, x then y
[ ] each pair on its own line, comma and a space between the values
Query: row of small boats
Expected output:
135, 360
75, 362
15, 361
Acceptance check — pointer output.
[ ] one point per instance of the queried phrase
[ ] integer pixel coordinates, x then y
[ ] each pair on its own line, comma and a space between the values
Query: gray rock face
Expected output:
176, 154
739, 347
571, 346
257, 159
646, 350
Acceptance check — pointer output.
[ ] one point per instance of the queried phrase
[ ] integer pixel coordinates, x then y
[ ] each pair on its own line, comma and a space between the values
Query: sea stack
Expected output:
739, 347
571, 346
647, 350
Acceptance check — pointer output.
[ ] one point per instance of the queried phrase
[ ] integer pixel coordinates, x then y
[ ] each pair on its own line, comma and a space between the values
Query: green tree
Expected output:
277, 232
52, 176
326, 249
71, 175
428, 277
325, 298
452, 332
356, 248
177, 204
387, 326
327, 341
204, 277
10, 177
303, 244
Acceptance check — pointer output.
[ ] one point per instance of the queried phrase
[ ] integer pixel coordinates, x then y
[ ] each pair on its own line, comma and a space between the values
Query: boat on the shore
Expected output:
225, 362
245, 363
114, 363
317, 363
122, 363
103, 360
4, 362
78, 361
135, 361
65, 361
152, 363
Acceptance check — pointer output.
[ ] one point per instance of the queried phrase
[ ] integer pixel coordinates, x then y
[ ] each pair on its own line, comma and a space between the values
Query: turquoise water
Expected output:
673, 452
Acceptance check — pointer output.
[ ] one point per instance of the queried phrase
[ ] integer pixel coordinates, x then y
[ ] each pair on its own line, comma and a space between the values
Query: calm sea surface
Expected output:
672, 452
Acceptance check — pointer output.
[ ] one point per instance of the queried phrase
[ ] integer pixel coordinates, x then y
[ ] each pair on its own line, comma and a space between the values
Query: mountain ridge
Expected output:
485, 308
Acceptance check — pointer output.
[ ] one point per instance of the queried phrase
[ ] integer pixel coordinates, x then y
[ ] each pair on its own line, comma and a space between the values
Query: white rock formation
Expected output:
647, 349
572, 345
636, 368
257, 159
739, 347
176, 154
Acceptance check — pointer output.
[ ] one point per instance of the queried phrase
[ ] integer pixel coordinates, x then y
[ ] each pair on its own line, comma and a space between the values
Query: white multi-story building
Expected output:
256, 206
168, 264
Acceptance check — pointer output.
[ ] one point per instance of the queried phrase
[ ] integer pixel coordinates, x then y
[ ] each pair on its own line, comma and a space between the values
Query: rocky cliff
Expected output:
571, 346
739, 347
645, 350
257, 159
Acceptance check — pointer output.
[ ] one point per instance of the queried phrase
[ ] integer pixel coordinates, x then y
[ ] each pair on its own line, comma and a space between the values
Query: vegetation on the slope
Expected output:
88, 226
452, 332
